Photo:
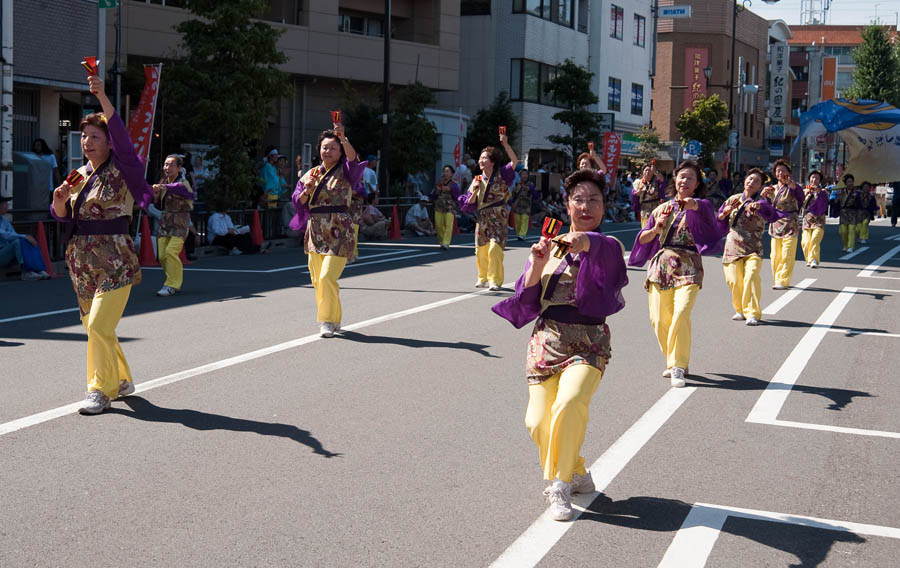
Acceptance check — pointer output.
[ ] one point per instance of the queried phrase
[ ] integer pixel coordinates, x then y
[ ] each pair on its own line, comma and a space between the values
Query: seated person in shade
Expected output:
20, 248
417, 219
372, 223
221, 232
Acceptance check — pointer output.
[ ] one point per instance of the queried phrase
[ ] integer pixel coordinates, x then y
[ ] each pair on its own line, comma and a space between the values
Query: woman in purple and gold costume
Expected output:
812, 213
570, 296
100, 256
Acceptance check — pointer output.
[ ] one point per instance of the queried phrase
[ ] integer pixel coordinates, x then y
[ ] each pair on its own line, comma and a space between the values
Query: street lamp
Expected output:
707, 72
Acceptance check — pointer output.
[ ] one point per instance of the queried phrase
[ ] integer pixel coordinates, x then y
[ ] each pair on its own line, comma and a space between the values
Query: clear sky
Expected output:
843, 12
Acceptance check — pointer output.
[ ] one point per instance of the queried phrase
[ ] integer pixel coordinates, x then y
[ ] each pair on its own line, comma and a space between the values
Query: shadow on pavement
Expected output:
840, 398
810, 545
849, 331
416, 343
143, 409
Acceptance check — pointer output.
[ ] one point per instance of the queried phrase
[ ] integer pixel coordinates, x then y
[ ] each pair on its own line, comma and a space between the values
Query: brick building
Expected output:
705, 40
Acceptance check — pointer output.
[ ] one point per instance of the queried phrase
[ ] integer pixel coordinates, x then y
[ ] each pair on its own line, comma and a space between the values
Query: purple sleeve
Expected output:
523, 306
463, 201
180, 190
454, 190
767, 211
640, 254
601, 277
535, 195
722, 224
353, 171
635, 203
360, 187
703, 227
798, 194
508, 173
67, 218
298, 223
128, 162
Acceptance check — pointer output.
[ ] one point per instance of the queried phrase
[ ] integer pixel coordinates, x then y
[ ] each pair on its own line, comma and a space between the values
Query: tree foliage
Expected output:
414, 141
706, 122
649, 145
361, 112
877, 73
484, 128
571, 88
221, 91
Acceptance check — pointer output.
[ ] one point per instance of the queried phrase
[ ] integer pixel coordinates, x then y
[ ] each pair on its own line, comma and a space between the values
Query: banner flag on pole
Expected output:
140, 124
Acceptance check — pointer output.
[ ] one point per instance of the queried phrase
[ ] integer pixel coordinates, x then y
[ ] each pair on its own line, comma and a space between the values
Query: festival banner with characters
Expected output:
140, 124
695, 59
870, 129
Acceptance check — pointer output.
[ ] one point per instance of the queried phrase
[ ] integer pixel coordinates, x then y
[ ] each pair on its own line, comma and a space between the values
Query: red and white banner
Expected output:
140, 124
612, 149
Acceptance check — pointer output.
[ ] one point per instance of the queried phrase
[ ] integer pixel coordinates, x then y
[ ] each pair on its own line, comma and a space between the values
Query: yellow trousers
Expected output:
521, 221
848, 235
811, 243
862, 229
168, 249
106, 364
489, 261
742, 276
557, 417
443, 224
783, 255
670, 314
324, 270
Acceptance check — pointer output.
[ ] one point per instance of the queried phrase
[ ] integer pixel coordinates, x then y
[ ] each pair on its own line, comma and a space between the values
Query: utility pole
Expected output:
385, 162
116, 70
6, 100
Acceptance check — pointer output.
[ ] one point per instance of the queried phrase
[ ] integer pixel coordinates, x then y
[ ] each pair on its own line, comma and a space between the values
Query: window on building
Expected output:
363, 24
282, 11
614, 97
527, 80
557, 11
637, 99
475, 7
640, 30
173, 3
616, 21
583, 16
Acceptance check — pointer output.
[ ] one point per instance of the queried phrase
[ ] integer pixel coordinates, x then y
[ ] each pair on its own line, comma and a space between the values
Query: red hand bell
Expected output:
90, 65
336, 116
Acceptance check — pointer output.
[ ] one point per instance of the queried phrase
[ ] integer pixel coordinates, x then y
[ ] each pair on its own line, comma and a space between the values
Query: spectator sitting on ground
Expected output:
21, 248
417, 219
221, 232
372, 223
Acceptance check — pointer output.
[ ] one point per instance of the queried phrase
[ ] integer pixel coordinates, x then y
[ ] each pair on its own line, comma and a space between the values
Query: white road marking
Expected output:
854, 332
40, 315
850, 255
868, 271
697, 536
788, 296
544, 533
51, 414
282, 269
770, 402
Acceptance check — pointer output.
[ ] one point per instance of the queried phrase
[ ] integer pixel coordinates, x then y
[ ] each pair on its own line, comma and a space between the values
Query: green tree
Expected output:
414, 142
649, 145
571, 88
222, 89
877, 74
361, 113
484, 128
706, 122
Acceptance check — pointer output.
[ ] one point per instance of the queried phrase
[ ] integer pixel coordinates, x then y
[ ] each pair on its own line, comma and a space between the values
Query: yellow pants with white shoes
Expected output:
742, 277
522, 221
324, 271
811, 243
489, 261
783, 255
443, 225
106, 364
557, 417
168, 249
670, 314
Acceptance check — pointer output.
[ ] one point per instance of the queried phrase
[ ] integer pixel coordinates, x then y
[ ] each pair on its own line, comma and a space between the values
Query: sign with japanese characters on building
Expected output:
778, 83
695, 59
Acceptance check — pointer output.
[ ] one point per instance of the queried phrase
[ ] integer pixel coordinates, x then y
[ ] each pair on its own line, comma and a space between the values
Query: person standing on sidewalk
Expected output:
175, 200
570, 296
100, 255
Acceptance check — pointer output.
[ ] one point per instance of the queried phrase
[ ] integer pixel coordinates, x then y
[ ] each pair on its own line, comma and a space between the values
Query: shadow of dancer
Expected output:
143, 409
418, 343
840, 398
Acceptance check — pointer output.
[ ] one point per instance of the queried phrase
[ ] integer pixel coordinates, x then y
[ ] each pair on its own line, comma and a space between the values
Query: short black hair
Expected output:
585, 175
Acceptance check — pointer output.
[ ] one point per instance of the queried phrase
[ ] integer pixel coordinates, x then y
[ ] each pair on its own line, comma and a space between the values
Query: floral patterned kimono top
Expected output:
523, 195
444, 197
745, 229
815, 204
851, 202
176, 202
570, 305
492, 222
100, 255
326, 214
644, 199
787, 201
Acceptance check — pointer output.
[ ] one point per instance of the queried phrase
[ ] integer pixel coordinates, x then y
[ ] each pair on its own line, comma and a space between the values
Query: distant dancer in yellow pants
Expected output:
815, 206
444, 197
524, 195
175, 200
786, 198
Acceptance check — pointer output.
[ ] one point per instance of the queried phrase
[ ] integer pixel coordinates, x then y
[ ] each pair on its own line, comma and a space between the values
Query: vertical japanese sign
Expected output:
612, 149
140, 125
829, 76
778, 106
695, 59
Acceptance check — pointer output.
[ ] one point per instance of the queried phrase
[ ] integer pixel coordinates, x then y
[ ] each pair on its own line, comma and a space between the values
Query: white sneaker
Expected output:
738, 316
167, 291
850, 249
582, 483
779, 287
863, 241
481, 283
235, 252
44, 275
95, 403
493, 286
814, 264
559, 496
752, 321
326, 329
125, 389
677, 377
28, 275
668, 372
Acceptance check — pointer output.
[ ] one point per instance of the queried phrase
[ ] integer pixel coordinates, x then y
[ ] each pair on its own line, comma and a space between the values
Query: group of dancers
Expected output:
569, 286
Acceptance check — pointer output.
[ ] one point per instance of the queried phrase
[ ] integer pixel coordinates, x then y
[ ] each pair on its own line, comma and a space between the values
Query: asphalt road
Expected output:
253, 442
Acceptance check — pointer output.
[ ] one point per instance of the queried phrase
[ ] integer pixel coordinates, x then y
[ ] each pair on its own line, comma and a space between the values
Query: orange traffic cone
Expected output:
455, 226
45, 252
396, 233
146, 256
256, 234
